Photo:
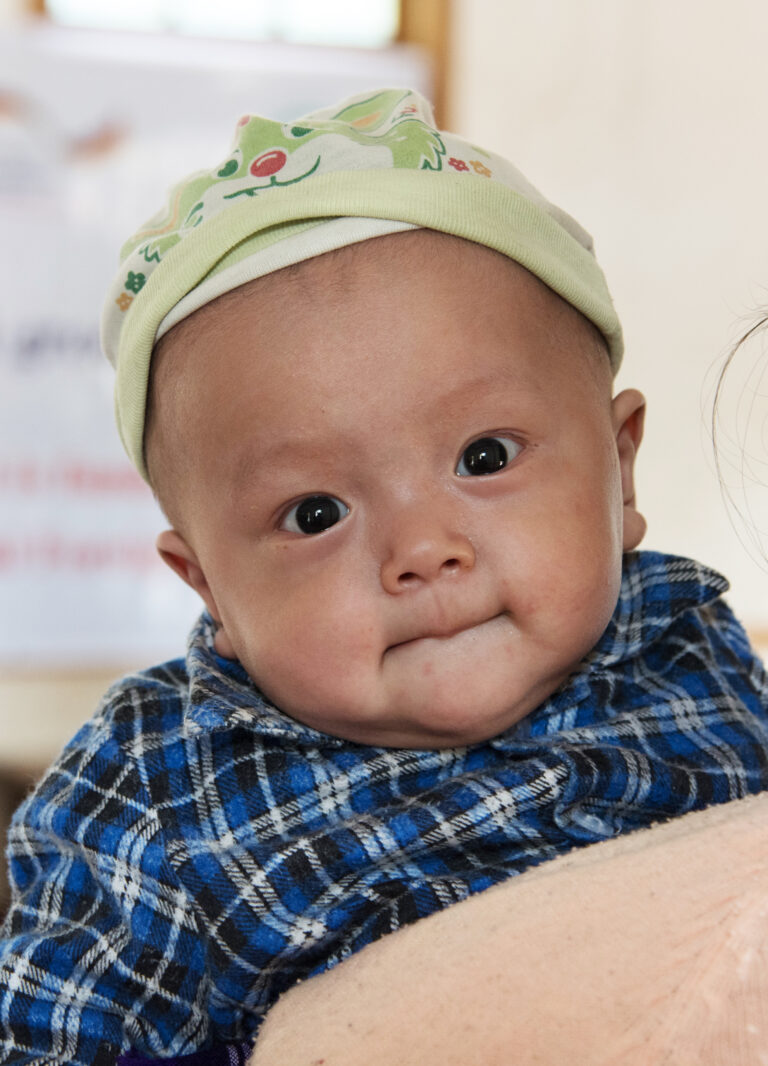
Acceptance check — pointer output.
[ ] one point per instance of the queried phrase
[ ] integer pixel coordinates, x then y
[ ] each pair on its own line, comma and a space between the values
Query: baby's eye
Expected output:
487, 455
314, 514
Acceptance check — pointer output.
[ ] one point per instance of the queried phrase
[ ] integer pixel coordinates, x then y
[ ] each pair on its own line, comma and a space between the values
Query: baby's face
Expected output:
405, 489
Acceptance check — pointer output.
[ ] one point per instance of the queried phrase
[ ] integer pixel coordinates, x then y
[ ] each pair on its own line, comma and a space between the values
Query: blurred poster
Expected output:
93, 129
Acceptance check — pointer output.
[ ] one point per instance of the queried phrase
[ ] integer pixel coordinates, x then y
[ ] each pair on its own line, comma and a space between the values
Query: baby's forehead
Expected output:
370, 284
353, 273
410, 326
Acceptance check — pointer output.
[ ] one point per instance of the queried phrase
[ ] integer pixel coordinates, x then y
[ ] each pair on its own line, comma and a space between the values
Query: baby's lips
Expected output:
442, 631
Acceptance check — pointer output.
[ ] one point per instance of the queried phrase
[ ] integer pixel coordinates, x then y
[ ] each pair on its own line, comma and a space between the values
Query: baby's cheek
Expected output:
343, 645
562, 594
319, 657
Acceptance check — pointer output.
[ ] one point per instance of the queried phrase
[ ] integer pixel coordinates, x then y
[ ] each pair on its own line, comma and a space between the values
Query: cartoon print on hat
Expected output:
279, 155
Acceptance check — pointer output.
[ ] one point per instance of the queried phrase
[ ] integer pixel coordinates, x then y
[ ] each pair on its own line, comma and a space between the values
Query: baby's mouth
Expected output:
442, 632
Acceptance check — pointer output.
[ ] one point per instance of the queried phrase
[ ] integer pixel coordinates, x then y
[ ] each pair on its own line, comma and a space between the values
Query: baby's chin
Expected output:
438, 724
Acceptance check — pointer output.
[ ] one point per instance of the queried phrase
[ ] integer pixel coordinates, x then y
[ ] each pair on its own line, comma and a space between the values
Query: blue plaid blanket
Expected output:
194, 852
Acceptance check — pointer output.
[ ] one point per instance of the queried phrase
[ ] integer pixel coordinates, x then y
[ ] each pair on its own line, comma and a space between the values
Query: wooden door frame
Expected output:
427, 24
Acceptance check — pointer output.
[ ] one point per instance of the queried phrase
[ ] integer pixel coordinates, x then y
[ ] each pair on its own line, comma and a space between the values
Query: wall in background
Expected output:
647, 122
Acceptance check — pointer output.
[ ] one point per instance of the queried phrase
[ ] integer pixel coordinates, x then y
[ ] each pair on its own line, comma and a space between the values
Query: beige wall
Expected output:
647, 121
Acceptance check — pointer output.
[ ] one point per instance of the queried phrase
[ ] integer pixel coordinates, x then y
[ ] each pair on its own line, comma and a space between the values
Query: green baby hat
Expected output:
372, 165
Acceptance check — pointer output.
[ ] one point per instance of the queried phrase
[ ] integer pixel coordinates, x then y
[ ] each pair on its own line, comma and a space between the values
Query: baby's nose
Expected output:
424, 548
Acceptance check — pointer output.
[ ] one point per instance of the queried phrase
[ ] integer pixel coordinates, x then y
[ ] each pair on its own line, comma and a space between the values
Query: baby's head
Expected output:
395, 470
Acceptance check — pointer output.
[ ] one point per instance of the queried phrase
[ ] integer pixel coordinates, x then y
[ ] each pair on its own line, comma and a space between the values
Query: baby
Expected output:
367, 369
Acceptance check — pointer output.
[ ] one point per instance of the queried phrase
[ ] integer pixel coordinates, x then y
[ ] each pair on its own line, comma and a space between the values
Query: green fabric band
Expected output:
171, 270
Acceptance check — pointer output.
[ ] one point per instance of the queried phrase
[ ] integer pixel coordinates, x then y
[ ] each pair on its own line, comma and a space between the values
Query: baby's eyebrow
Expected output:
260, 462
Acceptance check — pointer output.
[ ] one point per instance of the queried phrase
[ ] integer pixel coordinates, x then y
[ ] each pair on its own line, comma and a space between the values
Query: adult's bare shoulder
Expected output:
618, 953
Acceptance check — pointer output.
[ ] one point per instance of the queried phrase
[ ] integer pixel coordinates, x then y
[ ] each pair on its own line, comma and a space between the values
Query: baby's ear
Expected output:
181, 558
628, 410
